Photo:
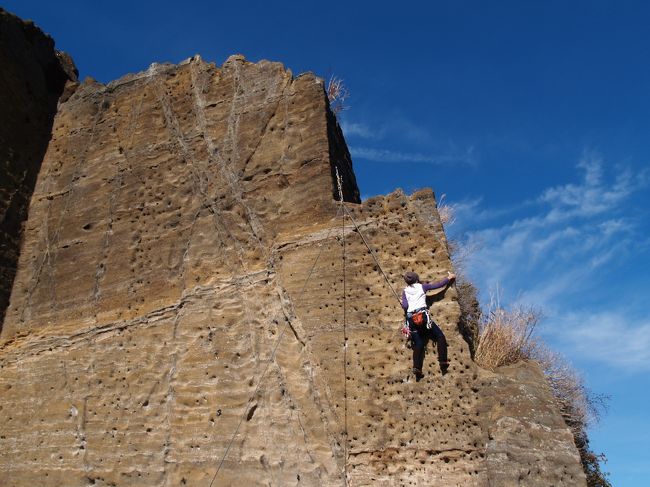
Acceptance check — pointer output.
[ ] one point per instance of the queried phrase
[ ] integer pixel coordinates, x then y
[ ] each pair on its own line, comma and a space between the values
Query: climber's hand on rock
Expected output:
451, 276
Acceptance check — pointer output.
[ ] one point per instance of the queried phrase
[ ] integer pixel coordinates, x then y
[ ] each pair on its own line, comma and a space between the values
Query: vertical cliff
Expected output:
183, 222
166, 179
32, 79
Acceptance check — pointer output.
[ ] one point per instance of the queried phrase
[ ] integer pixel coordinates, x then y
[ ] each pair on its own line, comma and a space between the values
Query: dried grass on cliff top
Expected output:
446, 212
337, 93
506, 336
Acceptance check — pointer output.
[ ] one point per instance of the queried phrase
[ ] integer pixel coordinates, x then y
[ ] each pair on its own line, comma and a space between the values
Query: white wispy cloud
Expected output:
571, 227
391, 156
361, 130
567, 244
592, 196
397, 127
403, 132
472, 213
609, 337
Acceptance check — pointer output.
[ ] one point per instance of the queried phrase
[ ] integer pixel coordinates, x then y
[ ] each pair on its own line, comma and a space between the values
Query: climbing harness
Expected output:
419, 317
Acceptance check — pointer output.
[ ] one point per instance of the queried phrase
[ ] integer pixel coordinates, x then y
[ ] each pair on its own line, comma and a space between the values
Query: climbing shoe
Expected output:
418, 373
444, 367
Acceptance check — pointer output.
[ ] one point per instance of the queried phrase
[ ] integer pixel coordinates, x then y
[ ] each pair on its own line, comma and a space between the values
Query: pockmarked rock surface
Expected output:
190, 287
33, 76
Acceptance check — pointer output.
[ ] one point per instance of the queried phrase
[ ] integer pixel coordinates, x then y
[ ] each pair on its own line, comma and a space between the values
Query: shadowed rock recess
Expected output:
176, 218
33, 75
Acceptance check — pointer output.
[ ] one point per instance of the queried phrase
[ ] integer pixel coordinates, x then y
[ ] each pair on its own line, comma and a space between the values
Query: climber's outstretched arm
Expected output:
436, 285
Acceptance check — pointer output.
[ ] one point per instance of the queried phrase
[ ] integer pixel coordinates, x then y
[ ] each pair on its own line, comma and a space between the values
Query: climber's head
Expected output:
411, 278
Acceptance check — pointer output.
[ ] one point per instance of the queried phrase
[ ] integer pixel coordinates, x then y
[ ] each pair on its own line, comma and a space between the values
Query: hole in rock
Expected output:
251, 412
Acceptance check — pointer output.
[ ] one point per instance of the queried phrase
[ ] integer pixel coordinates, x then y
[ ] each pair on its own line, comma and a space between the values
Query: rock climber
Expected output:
421, 327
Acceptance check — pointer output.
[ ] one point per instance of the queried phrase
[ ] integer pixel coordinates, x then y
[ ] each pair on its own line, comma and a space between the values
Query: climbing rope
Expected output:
343, 211
372, 252
271, 358
345, 335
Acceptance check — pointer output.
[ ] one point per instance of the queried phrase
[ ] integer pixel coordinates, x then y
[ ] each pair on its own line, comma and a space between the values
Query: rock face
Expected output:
189, 287
527, 440
33, 77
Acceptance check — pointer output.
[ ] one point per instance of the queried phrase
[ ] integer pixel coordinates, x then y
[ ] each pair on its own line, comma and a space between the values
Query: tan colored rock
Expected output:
183, 222
528, 441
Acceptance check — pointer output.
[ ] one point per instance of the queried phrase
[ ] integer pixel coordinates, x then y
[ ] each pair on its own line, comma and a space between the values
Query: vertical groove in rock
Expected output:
342, 161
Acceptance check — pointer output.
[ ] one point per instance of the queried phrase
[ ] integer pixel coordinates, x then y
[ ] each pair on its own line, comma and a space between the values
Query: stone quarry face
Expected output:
189, 286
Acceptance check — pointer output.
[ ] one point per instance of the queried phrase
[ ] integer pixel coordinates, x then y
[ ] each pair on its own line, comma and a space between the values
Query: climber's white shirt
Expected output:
415, 296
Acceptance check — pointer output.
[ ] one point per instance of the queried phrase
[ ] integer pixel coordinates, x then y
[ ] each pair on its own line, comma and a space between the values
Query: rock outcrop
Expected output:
188, 286
33, 77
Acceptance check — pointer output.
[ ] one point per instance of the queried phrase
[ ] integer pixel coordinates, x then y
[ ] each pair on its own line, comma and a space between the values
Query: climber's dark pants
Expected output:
418, 342
420, 335
439, 337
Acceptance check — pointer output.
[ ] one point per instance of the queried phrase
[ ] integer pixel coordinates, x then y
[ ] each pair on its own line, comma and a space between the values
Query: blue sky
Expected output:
532, 117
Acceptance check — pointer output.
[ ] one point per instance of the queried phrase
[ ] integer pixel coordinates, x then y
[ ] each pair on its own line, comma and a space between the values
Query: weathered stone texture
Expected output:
183, 219
528, 441
33, 75
164, 180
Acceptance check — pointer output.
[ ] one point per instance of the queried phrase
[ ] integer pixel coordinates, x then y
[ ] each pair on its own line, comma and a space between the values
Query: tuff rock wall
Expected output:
183, 221
33, 76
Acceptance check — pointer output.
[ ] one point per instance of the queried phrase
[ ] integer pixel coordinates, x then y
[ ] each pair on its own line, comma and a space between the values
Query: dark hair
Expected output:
411, 278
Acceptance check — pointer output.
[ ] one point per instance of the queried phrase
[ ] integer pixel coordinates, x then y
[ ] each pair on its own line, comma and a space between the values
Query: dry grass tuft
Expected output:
337, 93
567, 386
506, 336
446, 212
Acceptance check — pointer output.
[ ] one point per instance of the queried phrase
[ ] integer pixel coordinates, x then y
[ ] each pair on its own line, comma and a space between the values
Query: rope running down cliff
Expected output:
374, 257
345, 337
300, 294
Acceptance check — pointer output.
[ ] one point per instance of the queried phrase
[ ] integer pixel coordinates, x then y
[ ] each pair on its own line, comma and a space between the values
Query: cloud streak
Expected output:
360, 130
391, 156
593, 196
366, 140
397, 127
562, 254
608, 337
572, 227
